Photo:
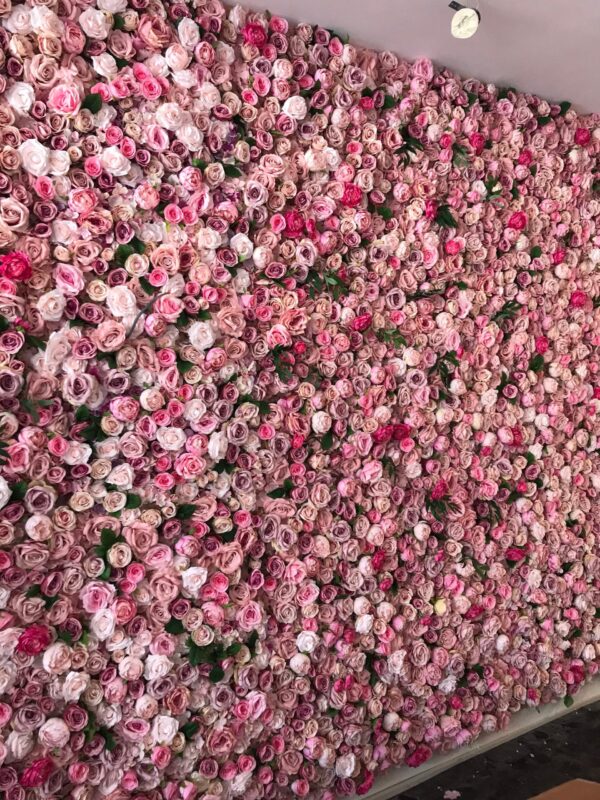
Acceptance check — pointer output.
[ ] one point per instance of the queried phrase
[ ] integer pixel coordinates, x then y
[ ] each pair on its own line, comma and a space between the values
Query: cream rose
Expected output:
35, 157
121, 301
202, 335
164, 729
20, 97
51, 306
74, 686
193, 579
5, 492
94, 23
114, 162
54, 733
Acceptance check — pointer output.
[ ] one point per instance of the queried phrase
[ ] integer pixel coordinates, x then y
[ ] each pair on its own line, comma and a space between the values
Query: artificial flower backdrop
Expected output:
299, 402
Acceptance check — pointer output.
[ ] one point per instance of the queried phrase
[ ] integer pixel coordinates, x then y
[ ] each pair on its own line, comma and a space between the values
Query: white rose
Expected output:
5, 492
59, 162
63, 231
156, 667
34, 157
94, 23
19, 745
295, 107
217, 445
364, 623
171, 438
189, 33
51, 306
157, 65
321, 422
194, 410
57, 658
44, 20
282, 68
391, 721
131, 668
77, 453
74, 686
396, 661
448, 684
114, 162
307, 641
208, 239
300, 664
112, 6
105, 65
102, 624
242, 245
177, 57
241, 282
20, 97
164, 729
502, 643
345, 765
54, 733
39, 527
193, 579
171, 116
121, 477
201, 335
121, 301
19, 20
187, 80
209, 95
190, 135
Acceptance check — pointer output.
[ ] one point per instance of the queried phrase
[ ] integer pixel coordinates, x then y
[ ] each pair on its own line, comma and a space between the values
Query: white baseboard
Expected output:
401, 779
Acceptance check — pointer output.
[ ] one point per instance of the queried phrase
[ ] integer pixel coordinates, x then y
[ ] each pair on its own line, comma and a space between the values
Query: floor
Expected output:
519, 770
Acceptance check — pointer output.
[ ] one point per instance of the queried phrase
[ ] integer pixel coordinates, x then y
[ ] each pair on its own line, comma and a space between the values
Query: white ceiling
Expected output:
546, 47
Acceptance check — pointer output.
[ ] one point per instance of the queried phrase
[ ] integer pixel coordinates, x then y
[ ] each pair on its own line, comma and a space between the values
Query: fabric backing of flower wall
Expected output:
299, 393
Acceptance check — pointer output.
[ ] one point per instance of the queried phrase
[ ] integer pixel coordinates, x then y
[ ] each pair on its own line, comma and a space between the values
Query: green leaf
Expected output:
110, 741
65, 636
121, 62
119, 22
184, 366
203, 315
536, 363
174, 626
568, 701
199, 163
445, 218
536, 251
189, 729
216, 674
385, 212
282, 491
252, 641
327, 440
93, 102
122, 253
82, 414
4, 324
133, 501
232, 171
233, 649
543, 121
18, 491
185, 511
564, 107
224, 466
35, 341
200, 655
146, 285
388, 101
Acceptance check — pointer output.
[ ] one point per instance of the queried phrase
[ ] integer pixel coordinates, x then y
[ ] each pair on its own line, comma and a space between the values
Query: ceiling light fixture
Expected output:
465, 21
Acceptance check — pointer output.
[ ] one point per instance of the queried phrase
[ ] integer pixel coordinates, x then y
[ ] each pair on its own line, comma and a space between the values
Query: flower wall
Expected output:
299, 398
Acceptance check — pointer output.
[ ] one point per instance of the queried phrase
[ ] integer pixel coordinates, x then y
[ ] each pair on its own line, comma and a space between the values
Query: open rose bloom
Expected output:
299, 405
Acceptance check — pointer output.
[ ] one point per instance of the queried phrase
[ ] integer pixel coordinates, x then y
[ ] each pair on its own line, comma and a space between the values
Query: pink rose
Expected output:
64, 98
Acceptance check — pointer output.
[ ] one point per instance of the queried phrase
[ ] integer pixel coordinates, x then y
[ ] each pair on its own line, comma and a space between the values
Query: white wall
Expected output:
547, 47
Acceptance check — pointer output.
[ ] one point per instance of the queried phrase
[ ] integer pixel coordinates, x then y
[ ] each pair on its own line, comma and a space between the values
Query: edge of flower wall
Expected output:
395, 781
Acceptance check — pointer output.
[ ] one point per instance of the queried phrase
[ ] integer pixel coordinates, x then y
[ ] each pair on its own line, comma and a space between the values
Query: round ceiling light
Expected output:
465, 21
